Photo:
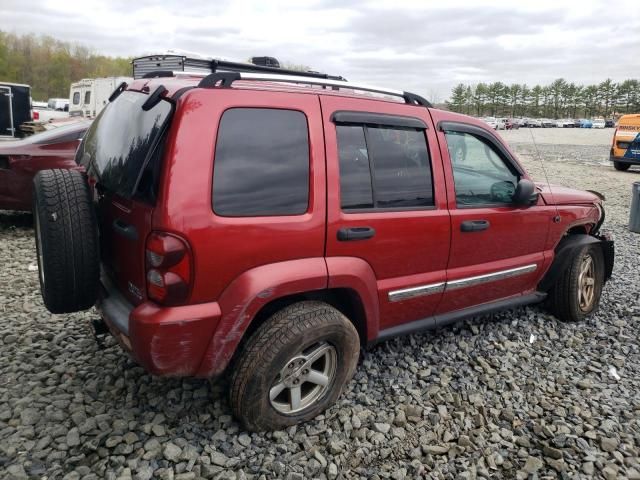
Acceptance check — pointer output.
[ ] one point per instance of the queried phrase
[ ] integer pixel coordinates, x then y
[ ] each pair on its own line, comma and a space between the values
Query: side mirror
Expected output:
525, 193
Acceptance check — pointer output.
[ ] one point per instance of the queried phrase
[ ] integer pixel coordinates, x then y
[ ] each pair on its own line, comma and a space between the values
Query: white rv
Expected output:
88, 96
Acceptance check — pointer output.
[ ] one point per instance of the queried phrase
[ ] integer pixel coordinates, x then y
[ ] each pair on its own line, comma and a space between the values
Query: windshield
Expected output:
121, 140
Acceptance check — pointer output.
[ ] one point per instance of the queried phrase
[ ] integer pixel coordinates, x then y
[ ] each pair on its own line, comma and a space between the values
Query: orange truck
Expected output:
625, 149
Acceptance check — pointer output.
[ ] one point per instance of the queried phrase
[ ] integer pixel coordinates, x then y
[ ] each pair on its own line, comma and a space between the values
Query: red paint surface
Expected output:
20, 160
242, 264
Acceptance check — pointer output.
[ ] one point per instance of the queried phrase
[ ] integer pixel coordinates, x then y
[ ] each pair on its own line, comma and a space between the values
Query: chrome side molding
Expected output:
421, 290
491, 277
397, 295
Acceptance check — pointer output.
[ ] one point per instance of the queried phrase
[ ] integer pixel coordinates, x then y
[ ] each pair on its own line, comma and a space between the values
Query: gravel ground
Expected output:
517, 395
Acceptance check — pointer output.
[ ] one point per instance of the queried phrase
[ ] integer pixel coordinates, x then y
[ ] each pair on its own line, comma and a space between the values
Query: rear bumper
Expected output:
166, 341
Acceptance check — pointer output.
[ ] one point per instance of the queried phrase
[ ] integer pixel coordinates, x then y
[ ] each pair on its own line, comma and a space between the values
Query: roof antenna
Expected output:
557, 218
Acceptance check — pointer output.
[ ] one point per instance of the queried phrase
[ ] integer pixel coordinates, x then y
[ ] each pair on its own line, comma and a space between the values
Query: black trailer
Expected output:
15, 108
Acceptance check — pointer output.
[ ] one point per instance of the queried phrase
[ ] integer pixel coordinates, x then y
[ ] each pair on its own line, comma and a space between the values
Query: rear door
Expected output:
124, 183
6, 112
387, 202
497, 248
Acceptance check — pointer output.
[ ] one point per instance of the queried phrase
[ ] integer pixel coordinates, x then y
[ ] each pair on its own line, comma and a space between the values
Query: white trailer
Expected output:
90, 95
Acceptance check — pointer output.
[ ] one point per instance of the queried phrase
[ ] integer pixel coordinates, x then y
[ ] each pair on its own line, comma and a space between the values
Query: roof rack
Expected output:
147, 67
225, 79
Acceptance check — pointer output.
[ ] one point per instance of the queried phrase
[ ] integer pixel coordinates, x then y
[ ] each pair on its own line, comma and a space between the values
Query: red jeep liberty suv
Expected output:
269, 223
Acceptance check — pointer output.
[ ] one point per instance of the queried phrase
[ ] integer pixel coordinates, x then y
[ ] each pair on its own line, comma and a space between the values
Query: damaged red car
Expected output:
20, 160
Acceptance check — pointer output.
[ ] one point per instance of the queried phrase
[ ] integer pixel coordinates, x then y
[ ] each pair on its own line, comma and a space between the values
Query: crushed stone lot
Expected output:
516, 395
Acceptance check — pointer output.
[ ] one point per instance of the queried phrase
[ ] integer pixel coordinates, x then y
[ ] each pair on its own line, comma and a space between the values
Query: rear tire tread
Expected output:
69, 240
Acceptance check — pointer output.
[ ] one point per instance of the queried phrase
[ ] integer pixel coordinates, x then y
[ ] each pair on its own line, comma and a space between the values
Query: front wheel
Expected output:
623, 167
294, 366
577, 291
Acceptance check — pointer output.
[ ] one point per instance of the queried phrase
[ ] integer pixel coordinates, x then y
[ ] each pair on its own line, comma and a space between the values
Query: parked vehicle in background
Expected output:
609, 123
548, 123
491, 121
576, 123
45, 111
565, 123
625, 148
20, 160
511, 124
598, 123
534, 123
585, 123
502, 123
271, 226
15, 108
90, 95
60, 104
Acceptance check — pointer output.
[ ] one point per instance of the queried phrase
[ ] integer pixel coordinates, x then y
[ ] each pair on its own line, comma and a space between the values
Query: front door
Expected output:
386, 202
6, 113
497, 248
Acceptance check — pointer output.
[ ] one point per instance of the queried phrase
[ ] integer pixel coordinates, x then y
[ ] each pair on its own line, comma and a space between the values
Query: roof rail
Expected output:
225, 79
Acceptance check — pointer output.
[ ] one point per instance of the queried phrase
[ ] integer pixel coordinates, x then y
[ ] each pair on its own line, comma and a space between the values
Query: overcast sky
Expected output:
421, 46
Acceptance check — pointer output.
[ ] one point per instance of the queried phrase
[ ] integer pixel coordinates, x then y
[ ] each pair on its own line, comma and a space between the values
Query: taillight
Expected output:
168, 267
36, 115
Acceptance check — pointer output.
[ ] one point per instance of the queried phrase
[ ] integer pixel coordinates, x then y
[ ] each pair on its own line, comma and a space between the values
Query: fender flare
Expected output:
247, 294
567, 248
356, 274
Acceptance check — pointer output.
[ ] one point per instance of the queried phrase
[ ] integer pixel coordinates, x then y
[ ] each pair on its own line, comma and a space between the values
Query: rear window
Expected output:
261, 163
120, 142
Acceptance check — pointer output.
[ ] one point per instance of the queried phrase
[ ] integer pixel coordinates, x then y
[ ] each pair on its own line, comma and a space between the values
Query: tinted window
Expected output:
261, 163
355, 174
87, 97
400, 163
118, 143
480, 174
76, 98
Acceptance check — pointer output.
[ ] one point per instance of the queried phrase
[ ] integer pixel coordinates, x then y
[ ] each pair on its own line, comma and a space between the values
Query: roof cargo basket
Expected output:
145, 67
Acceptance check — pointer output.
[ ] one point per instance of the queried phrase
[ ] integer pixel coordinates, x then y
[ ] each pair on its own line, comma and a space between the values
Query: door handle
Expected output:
355, 233
474, 225
124, 229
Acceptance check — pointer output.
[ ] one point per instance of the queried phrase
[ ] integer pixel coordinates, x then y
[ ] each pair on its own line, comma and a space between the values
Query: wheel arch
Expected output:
575, 239
260, 292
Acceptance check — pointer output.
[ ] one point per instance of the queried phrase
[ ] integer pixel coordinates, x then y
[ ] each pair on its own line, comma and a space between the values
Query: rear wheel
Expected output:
66, 241
621, 166
294, 366
577, 291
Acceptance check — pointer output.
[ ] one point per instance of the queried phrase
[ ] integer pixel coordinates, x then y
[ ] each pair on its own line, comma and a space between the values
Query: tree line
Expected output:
560, 99
50, 65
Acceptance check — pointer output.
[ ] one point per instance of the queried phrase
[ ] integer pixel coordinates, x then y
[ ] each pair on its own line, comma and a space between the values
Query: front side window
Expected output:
383, 167
480, 174
261, 165
76, 98
87, 97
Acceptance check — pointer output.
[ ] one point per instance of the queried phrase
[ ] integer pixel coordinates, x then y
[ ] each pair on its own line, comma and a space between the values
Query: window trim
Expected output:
365, 128
310, 168
349, 117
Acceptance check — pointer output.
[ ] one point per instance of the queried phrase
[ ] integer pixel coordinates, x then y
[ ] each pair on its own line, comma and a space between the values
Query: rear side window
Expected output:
87, 97
76, 98
261, 163
383, 167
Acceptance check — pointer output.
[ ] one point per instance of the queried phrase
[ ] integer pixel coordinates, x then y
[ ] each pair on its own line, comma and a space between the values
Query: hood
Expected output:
557, 195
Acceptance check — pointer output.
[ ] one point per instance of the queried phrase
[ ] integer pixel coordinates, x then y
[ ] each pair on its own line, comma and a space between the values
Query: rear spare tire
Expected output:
66, 241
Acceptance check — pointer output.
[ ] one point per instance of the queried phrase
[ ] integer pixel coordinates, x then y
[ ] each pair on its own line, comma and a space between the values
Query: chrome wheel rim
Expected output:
39, 249
305, 379
586, 283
